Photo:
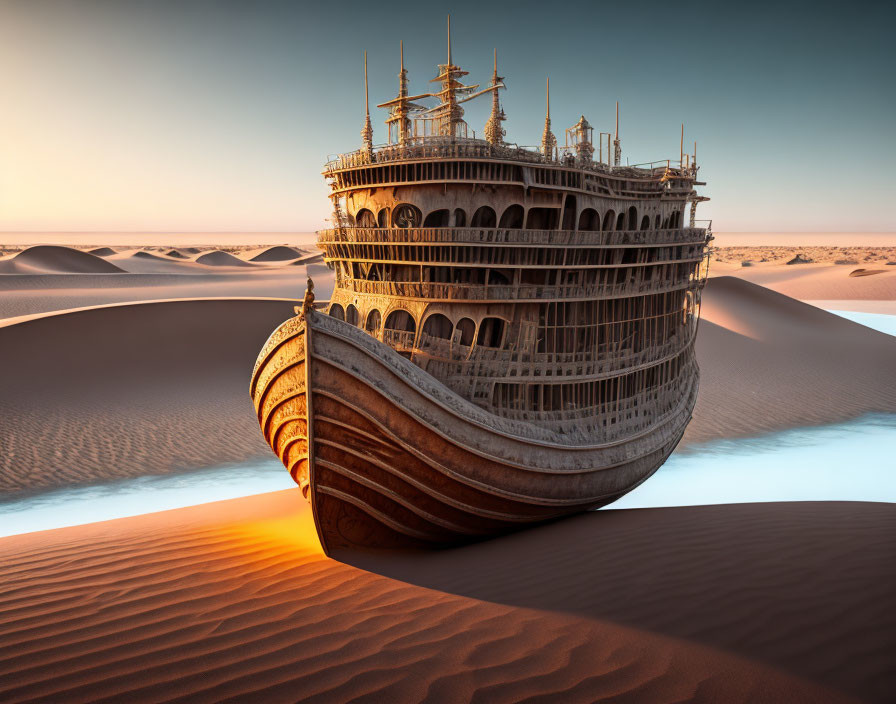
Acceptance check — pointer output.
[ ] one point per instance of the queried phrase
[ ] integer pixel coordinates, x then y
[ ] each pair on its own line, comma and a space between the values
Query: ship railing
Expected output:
477, 235
437, 147
509, 292
611, 359
399, 340
612, 414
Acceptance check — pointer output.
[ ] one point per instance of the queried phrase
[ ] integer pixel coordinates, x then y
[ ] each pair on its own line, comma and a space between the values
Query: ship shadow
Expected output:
746, 578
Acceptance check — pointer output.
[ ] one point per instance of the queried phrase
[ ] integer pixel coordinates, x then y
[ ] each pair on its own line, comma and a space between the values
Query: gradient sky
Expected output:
187, 115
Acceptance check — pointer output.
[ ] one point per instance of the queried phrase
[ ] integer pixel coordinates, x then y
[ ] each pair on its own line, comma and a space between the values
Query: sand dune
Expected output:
814, 281
176, 254
219, 258
130, 390
769, 362
162, 387
274, 254
232, 601
30, 294
50, 259
101, 251
143, 262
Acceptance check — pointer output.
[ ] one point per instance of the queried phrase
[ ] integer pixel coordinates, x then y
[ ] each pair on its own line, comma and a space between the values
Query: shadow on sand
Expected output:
805, 587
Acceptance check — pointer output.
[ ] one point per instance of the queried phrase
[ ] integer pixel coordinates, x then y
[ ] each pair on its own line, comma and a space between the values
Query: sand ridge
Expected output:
233, 602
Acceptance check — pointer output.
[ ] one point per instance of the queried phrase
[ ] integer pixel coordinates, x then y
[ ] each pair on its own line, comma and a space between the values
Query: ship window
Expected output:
512, 217
382, 218
491, 332
569, 211
484, 217
337, 312
406, 215
542, 218
400, 320
645, 222
464, 332
589, 220
437, 218
365, 218
657, 222
351, 315
620, 221
373, 321
609, 219
460, 218
437, 325
632, 218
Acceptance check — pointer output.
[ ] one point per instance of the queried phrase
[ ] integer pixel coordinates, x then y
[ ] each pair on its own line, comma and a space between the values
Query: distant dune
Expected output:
50, 259
219, 258
101, 251
275, 254
176, 253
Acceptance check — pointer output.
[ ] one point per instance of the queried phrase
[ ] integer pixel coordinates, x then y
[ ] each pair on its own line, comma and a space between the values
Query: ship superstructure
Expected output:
552, 293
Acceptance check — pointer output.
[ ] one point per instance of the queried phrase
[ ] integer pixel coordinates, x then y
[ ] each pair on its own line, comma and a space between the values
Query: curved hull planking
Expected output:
389, 457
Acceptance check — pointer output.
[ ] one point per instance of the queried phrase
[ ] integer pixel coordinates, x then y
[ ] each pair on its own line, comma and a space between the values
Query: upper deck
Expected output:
435, 159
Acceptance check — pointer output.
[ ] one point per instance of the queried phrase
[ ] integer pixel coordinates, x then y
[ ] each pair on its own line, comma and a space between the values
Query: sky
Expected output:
202, 116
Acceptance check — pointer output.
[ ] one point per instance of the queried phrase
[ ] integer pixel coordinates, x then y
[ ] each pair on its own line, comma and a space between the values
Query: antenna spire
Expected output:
367, 129
548, 140
449, 40
681, 149
494, 133
617, 146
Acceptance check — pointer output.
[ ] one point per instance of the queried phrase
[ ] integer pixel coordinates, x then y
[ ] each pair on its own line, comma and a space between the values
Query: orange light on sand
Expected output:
294, 533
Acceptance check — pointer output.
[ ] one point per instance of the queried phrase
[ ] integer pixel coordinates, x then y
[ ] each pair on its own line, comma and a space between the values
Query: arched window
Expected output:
645, 222
437, 218
512, 218
364, 218
406, 215
632, 218
382, 218
463, 333
609, 219
460, 217
491, 332
351, 315
336, 311
620, 221
589, 220
657, 222
438, 325
373, 322
400, 320
483, 217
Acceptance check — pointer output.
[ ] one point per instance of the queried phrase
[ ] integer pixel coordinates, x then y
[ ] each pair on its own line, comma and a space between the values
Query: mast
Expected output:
617, 147
449, 115
367, 129
548, 140
494, 133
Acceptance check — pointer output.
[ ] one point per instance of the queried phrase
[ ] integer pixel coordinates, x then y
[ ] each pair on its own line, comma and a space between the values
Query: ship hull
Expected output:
389, 457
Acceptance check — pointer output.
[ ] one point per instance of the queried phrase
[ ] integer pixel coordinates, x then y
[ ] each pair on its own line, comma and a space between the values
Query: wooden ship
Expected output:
511, 334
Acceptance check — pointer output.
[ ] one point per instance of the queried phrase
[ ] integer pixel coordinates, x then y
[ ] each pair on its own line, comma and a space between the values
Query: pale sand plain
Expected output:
769, 602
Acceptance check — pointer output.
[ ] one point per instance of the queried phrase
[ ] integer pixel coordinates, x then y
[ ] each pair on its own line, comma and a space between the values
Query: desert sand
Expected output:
234, 601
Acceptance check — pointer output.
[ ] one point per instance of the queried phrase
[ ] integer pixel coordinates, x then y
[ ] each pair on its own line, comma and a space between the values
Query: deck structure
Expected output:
511, 334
